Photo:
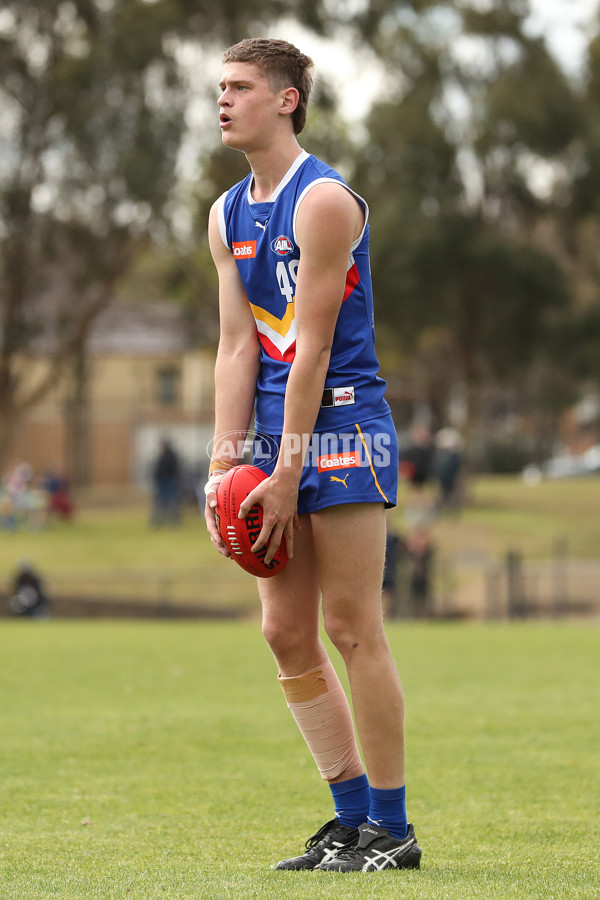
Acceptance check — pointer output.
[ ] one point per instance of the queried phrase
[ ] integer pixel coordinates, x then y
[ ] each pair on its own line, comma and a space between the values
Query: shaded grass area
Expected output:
159, 760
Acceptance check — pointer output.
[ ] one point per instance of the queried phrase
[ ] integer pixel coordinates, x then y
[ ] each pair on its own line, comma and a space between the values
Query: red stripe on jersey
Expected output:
272, 351
352, 279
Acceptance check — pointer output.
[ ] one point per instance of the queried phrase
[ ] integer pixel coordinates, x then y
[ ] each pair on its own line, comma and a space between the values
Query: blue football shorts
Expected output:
356, 465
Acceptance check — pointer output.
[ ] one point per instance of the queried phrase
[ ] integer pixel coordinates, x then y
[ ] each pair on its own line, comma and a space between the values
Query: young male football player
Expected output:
290, 244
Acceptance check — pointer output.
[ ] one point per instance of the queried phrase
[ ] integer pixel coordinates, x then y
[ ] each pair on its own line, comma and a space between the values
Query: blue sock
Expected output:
351, 799
388, 810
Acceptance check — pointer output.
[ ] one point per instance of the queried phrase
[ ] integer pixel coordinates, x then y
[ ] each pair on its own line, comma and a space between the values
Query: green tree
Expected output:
472, 104
93, 113
577, 236
92, 107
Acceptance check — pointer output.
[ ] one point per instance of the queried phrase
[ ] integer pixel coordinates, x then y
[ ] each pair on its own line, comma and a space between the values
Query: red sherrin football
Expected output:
240, 534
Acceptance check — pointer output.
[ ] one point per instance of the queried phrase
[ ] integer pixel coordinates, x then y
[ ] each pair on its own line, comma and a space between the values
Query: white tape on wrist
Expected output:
213, 482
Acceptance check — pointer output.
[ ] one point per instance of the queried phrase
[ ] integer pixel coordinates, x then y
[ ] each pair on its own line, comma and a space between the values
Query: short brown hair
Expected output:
282, 64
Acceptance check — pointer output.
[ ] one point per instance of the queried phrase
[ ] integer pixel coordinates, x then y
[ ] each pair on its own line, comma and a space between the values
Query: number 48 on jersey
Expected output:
287, 275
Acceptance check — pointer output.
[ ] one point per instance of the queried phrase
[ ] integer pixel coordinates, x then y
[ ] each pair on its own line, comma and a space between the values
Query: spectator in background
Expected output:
448, 465
166, 476
59, 498
29, 595
7, 512
415, 466
417, 458
421, 552
23, 500
35, 508
395, 551
17, 485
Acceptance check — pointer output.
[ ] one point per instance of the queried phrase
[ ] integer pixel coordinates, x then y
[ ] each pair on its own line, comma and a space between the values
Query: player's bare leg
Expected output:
315, 697
290, 605
350, 547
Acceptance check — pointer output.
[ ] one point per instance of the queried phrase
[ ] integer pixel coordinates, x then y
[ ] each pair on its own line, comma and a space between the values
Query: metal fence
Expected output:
513, 588
555, 588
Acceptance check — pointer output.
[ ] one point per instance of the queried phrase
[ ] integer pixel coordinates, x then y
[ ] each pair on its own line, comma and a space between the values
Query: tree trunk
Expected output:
8, 428
77, 423
470, 374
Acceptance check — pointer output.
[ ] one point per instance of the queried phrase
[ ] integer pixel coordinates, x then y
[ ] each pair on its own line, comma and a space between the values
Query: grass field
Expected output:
503, 513
109, 551
159, 760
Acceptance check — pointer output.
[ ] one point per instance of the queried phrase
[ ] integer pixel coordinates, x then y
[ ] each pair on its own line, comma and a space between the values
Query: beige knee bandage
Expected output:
320, 708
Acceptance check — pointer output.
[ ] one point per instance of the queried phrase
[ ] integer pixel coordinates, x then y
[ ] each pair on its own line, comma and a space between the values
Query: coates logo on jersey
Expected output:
244, 249
282, 245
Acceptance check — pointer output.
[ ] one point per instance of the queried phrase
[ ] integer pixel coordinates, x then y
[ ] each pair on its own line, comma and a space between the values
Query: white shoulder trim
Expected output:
221, 218
360, 200
300, 159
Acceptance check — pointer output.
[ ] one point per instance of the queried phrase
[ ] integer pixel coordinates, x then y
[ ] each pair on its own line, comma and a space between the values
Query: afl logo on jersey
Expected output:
282, 245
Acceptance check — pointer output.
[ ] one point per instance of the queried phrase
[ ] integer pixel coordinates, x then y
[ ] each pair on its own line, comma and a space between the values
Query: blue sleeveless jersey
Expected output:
262, 238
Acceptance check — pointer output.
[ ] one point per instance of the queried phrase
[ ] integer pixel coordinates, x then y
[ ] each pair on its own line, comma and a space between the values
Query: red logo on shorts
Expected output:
337, 461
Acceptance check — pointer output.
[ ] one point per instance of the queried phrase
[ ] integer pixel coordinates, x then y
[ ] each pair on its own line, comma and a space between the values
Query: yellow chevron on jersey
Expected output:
281, 326
281, 333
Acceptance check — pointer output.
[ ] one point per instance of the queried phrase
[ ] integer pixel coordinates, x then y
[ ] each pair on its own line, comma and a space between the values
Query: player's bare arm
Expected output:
236, 370
329, 220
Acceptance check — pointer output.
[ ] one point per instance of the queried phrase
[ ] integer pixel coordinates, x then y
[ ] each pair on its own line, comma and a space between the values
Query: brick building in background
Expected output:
140, 381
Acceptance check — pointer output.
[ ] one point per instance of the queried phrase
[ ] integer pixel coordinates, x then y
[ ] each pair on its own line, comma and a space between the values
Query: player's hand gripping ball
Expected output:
239, 535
